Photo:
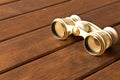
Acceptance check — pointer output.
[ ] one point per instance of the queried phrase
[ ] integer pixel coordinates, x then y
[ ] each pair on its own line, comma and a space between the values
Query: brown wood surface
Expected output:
28, 51
111, 72
25, 6
37, 19
36, 43
66, 64
2, 2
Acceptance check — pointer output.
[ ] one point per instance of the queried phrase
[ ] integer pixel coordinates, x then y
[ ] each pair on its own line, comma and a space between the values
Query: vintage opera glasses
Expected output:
96, 39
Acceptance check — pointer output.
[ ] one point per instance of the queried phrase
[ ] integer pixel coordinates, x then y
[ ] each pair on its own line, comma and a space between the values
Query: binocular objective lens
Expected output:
58, 29
92, 45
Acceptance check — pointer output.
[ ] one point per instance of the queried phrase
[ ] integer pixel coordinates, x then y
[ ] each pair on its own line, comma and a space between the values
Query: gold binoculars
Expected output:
96, 39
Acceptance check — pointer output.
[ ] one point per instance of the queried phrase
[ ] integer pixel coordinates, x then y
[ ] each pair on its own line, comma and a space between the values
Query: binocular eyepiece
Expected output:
96, 39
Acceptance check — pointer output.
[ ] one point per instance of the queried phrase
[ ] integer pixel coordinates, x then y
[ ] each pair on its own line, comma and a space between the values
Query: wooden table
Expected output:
28, 51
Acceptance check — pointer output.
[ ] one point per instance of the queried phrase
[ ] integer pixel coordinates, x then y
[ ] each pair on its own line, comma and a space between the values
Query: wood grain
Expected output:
6, 1
25, 6
32, 45
104, 16
111, 72
25, 48
34, 20
66, 64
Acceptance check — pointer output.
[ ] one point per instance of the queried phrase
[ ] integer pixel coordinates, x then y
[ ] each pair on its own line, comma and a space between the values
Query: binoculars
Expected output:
96, 40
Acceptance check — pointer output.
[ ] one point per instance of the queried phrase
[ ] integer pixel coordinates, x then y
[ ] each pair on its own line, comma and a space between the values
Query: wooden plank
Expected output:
28, 22
111, 72
16, 51
66, 64
30, 46
104, 12
6, 1
25, 6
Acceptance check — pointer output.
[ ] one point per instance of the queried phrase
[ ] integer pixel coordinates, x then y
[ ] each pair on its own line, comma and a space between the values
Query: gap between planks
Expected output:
39, 56
47, 53
110, 72
28, 61
7, 2
59, 57
32, 10
101, 67
49, 24
105, 64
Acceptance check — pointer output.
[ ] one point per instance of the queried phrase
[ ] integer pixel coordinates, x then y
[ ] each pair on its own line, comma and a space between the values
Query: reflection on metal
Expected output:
96, 39
62, 27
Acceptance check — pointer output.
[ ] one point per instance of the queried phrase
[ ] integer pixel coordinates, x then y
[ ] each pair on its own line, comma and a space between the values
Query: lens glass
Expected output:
58, 29
92, 44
